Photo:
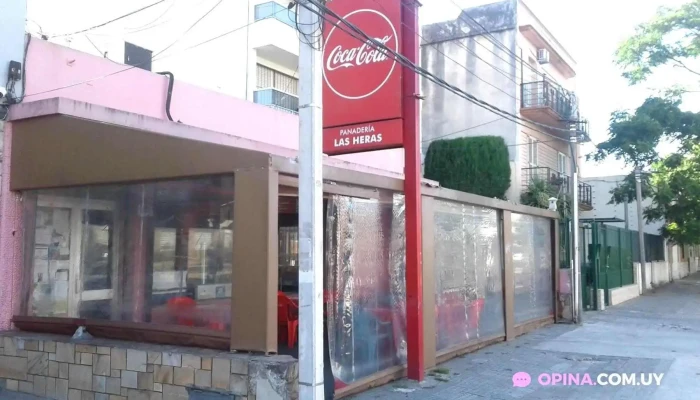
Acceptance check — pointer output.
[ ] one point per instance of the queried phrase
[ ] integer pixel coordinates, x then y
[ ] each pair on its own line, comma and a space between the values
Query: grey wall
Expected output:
443, 112
13, 14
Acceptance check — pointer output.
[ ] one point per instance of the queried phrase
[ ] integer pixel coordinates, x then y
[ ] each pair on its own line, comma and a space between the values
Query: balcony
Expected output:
277, 99
547, 103
274, 36
585, 196
558, 183
275, 11
555, 179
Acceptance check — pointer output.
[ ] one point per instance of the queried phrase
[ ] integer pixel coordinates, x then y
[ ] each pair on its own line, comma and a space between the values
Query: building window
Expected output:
562, 163
268, 78
532, 151
159, 252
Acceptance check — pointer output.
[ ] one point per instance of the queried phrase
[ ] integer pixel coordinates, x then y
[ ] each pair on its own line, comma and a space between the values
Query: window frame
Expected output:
562, 163
532, 152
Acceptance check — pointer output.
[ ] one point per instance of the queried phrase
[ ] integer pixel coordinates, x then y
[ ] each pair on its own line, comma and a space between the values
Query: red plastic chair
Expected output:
179, 306
288, 315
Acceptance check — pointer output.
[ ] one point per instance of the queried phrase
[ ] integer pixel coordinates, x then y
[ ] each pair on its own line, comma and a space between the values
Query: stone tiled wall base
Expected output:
60, 368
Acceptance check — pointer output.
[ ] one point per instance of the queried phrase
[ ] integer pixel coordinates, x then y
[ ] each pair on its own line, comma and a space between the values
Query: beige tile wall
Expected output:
58, 368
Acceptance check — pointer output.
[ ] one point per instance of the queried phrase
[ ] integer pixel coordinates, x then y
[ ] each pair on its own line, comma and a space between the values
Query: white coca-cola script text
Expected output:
363, 55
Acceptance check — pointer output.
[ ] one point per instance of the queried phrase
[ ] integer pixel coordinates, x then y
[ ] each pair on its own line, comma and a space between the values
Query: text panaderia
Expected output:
357, 135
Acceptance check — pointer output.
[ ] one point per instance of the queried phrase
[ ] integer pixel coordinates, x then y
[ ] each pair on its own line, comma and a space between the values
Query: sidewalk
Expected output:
655, 333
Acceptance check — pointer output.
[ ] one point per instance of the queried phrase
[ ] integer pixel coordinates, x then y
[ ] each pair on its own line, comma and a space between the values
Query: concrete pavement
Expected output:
655, 333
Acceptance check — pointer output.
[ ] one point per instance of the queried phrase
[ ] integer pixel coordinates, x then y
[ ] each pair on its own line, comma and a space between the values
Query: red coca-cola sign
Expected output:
362, 83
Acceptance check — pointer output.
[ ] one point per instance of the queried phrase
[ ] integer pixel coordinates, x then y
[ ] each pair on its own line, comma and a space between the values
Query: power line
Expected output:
190, 28
460, 131
452, 59
499, 45
110, 21
148, 25
423, 72
154, 58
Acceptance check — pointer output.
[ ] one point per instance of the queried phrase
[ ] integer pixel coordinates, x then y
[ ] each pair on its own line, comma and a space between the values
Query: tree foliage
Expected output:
626, 191
476, 165
676, 198
672, 37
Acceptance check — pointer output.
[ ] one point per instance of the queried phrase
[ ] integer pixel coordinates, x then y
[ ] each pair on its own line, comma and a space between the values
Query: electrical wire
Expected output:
361, 35
452, 59
154, 58
190, 28
146, 26
499, 45
109, 22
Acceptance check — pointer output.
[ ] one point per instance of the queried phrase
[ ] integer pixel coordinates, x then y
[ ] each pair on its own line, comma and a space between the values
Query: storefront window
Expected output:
468, 274
532, 268
157, 252
365, 289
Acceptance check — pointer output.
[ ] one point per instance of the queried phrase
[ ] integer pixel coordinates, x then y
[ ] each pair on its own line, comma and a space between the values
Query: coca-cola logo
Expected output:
355, 69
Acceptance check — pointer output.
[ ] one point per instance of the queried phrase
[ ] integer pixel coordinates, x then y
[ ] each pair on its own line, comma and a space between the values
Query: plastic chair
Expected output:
288, 315
179, 306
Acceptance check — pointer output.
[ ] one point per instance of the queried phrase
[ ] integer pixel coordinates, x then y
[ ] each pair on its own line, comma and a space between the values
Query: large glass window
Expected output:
532, 267
468, 274
158, 252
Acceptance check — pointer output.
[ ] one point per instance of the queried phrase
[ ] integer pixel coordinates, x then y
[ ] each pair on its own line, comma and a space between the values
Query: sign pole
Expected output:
412, 172
310, 207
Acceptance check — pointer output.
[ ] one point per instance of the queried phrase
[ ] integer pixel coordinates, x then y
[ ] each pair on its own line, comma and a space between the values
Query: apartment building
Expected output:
503, 54
261, 45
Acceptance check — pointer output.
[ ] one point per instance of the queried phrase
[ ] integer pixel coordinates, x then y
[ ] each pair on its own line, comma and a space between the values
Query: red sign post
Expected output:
370, 102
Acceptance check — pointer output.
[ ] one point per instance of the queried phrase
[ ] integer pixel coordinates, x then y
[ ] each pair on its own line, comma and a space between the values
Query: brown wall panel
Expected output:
429, 317
60, 151
508, 277
255, 247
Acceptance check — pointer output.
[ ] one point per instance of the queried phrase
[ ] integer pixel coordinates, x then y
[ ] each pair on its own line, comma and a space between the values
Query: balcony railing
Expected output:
545, 174
276, 11
548, 94
277, 99
585, 194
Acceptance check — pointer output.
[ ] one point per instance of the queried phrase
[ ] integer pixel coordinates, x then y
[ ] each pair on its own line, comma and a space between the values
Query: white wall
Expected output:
221, 65
601, 208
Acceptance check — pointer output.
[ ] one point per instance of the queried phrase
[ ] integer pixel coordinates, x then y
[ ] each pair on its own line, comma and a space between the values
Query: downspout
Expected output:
169, 98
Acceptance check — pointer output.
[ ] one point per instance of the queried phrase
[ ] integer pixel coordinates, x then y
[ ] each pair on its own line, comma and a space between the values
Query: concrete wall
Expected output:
448, 44
601, 209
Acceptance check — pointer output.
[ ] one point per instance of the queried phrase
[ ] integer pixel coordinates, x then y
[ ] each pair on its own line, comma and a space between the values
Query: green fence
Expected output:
607, 256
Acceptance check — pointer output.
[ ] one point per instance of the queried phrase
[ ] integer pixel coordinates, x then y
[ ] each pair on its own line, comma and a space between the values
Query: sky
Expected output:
590, 30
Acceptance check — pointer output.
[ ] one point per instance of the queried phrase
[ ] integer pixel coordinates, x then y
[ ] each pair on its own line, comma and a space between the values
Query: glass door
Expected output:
73, 258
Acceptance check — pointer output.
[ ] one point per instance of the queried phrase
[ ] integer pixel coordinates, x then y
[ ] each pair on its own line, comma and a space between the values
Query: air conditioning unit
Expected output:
543, 56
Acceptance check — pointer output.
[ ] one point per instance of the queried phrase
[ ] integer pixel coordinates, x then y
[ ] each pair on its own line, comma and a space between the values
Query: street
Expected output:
656, 333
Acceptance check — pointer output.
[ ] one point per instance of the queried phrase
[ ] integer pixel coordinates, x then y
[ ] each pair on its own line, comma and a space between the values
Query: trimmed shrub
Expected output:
476, 165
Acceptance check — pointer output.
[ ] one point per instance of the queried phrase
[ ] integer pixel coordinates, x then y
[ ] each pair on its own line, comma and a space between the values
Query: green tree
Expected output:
676, 198
675, 179
671, 37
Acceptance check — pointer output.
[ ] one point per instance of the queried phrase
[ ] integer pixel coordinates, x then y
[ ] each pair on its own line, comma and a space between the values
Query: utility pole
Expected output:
577, 299
640, 227
310, 204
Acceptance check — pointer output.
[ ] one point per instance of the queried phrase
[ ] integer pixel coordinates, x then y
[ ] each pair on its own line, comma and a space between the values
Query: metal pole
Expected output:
640, 227
412, 173
627, 213
310, 206
576, 272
